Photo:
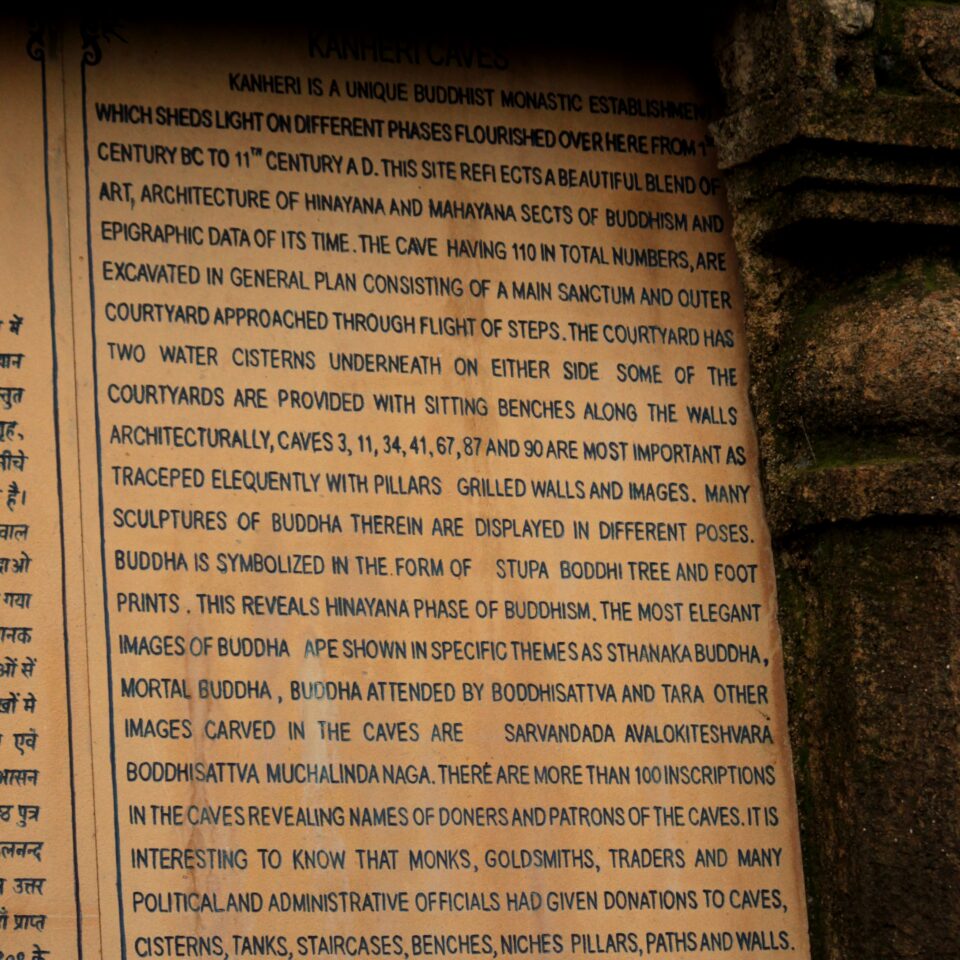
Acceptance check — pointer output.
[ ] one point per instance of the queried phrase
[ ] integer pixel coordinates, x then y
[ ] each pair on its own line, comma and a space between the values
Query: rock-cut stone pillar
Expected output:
840, 144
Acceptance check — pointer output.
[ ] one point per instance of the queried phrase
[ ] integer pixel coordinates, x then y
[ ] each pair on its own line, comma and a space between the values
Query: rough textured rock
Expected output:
840, 143
869, 615
852, 17
932, 41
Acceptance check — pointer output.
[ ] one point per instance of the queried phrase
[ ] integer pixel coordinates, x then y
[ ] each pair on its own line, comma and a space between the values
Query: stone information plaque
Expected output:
394, 522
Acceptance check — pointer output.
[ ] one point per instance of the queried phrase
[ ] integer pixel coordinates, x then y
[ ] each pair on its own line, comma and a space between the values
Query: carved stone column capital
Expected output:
841, 148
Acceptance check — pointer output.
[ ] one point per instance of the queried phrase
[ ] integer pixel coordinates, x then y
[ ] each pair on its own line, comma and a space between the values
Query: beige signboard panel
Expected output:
422, 585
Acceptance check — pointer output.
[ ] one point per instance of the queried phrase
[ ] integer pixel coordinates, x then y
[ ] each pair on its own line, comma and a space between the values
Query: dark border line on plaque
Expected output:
36, 50
91, 57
